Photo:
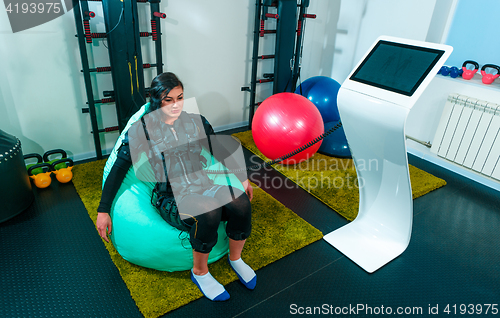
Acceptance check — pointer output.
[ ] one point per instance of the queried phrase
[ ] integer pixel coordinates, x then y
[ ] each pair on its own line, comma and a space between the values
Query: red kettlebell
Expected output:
489, 78
63, 175
469, 74
43, 179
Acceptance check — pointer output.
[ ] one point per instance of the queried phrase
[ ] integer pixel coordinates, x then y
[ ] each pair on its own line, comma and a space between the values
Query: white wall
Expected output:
208, 47
362, 22
42, 88
320, 38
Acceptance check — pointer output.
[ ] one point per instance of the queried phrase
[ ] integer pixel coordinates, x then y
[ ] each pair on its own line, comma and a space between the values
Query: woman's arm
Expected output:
248, 189
113, 182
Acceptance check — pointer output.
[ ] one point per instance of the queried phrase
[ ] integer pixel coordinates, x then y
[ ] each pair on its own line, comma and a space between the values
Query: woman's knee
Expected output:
239, 219
240, 208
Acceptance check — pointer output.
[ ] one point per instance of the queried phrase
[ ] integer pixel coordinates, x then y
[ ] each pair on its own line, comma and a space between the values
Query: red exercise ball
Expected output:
285, 122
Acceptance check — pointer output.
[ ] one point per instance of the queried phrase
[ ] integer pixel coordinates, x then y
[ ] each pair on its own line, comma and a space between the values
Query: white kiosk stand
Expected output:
374, 102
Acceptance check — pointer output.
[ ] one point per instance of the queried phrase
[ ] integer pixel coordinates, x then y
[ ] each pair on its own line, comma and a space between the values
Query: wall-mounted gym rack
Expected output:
126, 66
290, 24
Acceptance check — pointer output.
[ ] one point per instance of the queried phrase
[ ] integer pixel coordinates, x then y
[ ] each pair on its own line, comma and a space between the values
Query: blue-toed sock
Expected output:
244, 272
210, 287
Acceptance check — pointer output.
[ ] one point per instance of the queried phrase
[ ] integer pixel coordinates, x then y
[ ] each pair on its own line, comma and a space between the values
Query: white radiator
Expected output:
469, 134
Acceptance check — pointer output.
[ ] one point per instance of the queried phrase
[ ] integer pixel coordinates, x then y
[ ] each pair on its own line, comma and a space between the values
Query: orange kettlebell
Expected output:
63, 175
43, 179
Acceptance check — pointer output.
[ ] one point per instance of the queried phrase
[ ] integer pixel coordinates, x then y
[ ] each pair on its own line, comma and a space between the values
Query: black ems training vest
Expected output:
175, 156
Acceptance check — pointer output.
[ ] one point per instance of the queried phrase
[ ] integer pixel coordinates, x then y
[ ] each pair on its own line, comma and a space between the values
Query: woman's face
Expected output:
172, 104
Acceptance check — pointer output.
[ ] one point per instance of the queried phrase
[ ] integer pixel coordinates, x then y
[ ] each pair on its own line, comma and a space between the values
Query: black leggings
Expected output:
237, 213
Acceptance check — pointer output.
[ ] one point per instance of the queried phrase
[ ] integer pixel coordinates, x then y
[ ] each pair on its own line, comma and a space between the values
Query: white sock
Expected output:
243, 270
210, 287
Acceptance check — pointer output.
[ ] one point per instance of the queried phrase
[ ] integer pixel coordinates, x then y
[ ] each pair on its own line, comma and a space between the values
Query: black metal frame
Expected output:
125, 56
285, 46
126, 65
86, 72
289, 35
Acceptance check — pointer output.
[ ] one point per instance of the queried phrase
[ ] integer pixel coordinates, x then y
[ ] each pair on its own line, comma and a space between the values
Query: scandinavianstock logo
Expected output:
26, 14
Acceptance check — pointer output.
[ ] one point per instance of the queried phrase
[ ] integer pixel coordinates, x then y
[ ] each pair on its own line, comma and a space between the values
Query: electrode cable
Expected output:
284, 157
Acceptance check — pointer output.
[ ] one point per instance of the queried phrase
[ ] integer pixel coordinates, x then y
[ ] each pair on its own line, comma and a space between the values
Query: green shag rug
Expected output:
276, 232
334, 180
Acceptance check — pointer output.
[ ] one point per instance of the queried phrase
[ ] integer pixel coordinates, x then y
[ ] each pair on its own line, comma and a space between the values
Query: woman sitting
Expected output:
184, 196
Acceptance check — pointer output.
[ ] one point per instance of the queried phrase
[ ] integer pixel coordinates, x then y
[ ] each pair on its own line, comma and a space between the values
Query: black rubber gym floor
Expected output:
53, 263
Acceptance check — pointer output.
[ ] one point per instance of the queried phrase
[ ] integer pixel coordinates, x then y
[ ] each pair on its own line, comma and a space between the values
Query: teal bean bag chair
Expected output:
139, 233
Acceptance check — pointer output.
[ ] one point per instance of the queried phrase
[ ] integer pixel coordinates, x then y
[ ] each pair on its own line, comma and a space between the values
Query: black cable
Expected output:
116, 25
275, 161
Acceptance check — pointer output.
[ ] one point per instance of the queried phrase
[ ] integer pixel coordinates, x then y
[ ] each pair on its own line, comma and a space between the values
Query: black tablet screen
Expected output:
397, 67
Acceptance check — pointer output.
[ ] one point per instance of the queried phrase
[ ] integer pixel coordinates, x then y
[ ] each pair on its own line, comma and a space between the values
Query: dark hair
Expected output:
160, 87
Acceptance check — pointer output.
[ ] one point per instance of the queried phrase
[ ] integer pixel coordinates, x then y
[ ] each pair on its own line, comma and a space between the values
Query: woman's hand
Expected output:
248, 189
103, 223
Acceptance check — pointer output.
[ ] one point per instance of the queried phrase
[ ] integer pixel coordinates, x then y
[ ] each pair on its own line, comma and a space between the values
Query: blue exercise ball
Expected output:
322, 91
335, 144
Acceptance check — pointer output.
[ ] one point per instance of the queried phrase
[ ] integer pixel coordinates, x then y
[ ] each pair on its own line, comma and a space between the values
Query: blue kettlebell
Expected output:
445, 70
454, 72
